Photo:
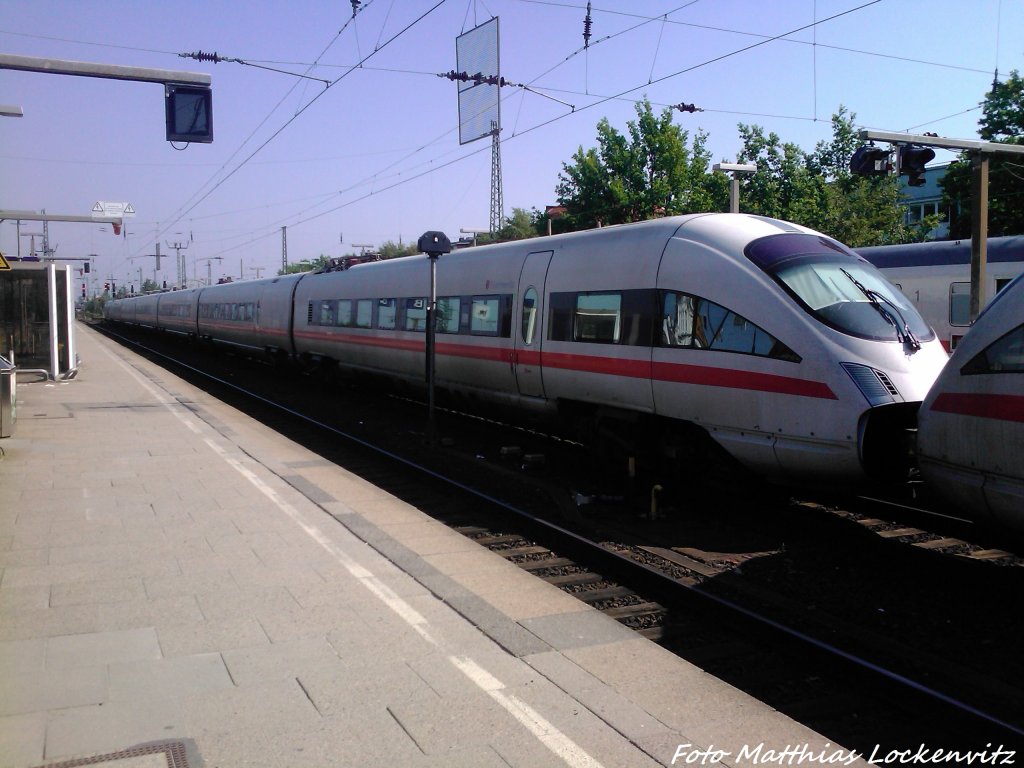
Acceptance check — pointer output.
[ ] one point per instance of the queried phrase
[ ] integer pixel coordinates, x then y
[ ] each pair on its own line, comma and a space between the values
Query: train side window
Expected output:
344, 317
561, 307
327, 313
960, 304
505, 323
485, 316
364, 313
529, 319
1002, 282
387, 311
447, 320
696, 323
1005, 355
416, 314
598, 317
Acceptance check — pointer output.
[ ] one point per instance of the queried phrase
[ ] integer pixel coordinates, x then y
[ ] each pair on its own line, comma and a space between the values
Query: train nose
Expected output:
887, 442
887, 428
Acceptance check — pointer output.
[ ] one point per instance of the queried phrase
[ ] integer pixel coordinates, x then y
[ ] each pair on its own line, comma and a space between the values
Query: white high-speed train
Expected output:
971, 426
781, 345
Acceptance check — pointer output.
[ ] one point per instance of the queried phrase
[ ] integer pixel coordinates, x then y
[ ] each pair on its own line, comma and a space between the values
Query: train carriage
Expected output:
373, 317
936, 276
253, 315
145, 310
971, 431
605, 324
177, 311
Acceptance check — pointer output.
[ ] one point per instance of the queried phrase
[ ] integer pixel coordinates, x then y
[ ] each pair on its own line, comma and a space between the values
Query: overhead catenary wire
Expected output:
709, 109
580, 109
181, 214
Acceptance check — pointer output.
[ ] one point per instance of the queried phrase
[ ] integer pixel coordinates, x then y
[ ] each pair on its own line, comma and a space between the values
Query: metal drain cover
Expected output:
167, 754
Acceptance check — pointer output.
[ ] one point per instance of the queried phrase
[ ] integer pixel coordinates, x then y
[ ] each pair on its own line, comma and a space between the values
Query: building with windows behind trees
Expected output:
926, 200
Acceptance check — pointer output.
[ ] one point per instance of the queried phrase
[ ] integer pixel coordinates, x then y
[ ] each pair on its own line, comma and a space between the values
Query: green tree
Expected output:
522, 224
1002, 121
649, 172
306, 265
819, 191
391, 250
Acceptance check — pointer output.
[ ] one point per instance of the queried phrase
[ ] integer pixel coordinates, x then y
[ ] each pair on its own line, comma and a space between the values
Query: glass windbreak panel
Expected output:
485, 315
838, 287
960, 304
598, 317
364, 313
1005, 355
448, 314
386, 312
529, 325
696, 323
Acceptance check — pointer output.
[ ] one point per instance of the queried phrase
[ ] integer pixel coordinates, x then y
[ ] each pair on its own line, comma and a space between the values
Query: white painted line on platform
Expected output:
548, 735
545, 732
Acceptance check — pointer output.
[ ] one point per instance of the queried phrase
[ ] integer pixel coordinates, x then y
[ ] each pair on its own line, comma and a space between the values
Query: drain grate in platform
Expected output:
173, 753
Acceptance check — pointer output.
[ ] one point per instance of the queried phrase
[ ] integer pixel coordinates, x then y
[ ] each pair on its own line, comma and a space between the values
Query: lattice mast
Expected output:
497, 196
284, 243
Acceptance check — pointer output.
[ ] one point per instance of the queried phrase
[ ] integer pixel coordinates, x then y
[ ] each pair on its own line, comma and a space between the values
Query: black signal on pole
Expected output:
870, 161
912, 160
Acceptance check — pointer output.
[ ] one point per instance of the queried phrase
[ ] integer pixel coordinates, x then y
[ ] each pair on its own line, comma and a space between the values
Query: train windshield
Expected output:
839, 288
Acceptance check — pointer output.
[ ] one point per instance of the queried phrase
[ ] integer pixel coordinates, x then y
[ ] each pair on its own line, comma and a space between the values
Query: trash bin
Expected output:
7, 398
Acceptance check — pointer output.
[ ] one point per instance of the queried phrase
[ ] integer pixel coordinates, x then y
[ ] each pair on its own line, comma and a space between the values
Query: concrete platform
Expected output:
182, 585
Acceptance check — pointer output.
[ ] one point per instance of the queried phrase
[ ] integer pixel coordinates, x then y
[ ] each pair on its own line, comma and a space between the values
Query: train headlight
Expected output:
875, 385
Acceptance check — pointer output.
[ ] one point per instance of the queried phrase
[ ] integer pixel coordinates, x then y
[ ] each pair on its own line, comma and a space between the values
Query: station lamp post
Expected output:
734, 186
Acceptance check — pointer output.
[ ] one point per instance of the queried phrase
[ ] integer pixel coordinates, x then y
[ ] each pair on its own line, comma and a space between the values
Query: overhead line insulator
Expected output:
203, 56
479, 78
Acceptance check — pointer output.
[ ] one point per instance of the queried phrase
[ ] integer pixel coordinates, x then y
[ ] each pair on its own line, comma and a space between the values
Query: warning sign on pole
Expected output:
101, 208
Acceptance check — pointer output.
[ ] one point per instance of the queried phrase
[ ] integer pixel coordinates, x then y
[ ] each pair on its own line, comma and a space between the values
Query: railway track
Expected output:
839, 677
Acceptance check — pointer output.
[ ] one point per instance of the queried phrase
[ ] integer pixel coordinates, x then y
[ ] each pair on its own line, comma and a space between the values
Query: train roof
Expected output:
942, 252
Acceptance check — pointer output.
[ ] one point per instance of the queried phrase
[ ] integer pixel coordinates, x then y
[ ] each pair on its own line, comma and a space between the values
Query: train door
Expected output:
528, 324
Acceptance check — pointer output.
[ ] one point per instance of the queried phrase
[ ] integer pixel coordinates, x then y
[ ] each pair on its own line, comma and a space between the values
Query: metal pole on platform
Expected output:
433, 244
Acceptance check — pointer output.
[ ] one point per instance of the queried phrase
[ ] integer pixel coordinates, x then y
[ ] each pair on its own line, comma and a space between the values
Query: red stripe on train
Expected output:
680, 373
611, 366
1002, 407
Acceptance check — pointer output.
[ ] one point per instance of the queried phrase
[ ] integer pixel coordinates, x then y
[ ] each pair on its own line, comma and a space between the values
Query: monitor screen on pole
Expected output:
189, 112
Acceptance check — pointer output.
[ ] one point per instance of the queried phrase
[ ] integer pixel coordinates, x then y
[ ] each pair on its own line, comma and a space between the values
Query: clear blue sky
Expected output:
376, 157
